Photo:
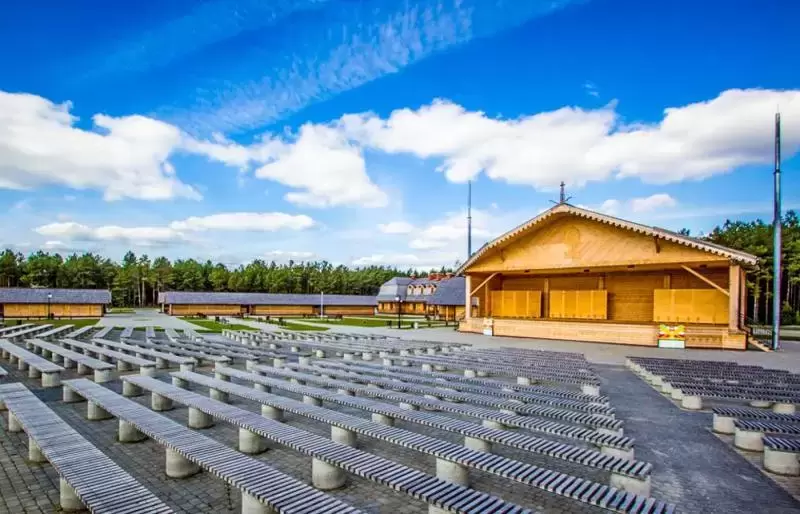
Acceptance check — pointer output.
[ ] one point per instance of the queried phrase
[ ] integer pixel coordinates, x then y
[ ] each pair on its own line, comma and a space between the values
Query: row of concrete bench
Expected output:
331, 461
24, 333
691, 394
610, 443
88, 478
103, 332
37, 366
264, 489
103, 371
476, 436
126, 333
544, 395
163, 359
183, 349
80, 332
353, 342
13, 328
123, 361
595, 416
456, 380
450, 457
716, 372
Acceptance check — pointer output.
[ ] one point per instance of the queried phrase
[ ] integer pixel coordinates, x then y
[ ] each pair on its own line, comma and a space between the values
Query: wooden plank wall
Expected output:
630, 295
516, 304
207, 309
58, 310
282, 310
347, 310
690, 306
585, 304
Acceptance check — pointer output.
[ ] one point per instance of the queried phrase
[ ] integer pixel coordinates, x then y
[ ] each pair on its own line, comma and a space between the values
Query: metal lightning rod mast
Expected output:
776, 255
469, 220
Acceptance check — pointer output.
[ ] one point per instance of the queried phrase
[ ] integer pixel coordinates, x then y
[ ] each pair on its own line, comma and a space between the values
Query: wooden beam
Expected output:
483, 283
733, 300
706, 280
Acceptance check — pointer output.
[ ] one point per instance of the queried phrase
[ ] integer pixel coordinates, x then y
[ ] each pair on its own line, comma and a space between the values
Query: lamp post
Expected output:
49, 299
399, 301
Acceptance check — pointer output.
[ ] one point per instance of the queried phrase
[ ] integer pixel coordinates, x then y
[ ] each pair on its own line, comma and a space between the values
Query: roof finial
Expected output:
563, 198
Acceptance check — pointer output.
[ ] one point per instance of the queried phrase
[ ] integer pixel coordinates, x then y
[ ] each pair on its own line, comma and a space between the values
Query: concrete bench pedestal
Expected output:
783, 408
128, 390
199, 419
272, 413
452, 472
251, 505
67, 498
35, 452
326, 477
343, 436
160, 403
478, 444
95, 412
749, 440
723, 424
781, 463
128, 433
251, 443
690, 402
617, 452
383, 419
177, 466
631, 484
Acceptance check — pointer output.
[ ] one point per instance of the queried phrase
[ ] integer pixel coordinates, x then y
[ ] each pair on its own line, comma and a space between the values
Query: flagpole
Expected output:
776, 255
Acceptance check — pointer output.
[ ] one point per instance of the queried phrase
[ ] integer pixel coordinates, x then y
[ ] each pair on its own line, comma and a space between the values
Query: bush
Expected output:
789, 316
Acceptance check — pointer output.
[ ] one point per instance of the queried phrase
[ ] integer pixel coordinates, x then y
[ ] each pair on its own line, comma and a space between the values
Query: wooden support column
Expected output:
546, 298
468, 299
734, 277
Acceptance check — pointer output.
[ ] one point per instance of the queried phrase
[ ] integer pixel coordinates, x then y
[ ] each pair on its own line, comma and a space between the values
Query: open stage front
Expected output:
594, 331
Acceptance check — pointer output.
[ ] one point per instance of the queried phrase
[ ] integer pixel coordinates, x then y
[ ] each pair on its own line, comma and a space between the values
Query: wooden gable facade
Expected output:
574, 274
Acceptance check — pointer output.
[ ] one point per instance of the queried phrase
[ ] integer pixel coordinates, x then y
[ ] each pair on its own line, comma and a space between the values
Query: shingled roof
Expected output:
397, 286
451, 291
39, 295
194, 298
667, 235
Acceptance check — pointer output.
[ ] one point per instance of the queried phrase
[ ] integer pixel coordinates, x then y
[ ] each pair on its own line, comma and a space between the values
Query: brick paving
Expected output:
692, 467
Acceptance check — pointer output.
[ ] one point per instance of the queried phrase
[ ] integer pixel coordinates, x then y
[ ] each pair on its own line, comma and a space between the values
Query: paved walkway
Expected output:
143, 318
692, 468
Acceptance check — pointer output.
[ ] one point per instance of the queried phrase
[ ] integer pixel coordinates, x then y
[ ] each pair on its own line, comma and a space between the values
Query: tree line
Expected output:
137, 280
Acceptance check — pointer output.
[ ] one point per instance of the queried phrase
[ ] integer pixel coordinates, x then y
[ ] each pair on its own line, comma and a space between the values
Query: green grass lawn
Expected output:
288, 325
209, 325
79, 322
121, 310
359, 322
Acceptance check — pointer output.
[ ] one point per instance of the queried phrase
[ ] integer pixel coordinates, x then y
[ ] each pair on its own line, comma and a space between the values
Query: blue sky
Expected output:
346, 130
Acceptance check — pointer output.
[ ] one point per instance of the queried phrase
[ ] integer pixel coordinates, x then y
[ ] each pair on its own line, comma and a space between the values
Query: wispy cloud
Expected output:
206, 24
591, 89
356, 44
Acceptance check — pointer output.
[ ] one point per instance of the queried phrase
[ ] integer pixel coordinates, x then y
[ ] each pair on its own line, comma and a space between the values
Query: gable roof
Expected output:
189, 298
565, 208
39, 295
397, 286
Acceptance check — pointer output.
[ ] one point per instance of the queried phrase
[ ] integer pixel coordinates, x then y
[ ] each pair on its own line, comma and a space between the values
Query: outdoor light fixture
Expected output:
399, 314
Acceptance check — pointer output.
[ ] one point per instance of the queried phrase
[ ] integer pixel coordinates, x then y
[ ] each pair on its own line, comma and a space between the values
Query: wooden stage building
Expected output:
183, 303
575, 274
19, 302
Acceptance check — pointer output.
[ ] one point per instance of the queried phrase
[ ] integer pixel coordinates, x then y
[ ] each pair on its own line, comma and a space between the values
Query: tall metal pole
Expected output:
469, 219
776, 256
321, 304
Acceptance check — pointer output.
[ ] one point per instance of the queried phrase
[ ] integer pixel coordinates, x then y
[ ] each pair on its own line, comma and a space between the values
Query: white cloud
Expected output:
125, 157
582, 145
138, 236
283, 255
177, 231
409, 260
610, 206
451, 231
326, 168
396, 227
591, 89
653, 202
244, 221
54, 245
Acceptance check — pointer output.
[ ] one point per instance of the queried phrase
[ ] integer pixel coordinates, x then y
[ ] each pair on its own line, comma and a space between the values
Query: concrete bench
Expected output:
53, 332
691, 397
103, 371
88, 478
528, 397
264, 489
596, 417
149, 332
127, 333
79, 332
103, 332
627, 475
124, 361
13, 328
522, 387
781, 455
182, 350
611, 444
3, 373
36, 366
330, 460
724, 417
749, 434
163, 359
171, 334
27, 332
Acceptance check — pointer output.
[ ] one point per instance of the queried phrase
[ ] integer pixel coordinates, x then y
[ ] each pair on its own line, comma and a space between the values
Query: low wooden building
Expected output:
574, 274
183, 303
439, 296
18, 302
